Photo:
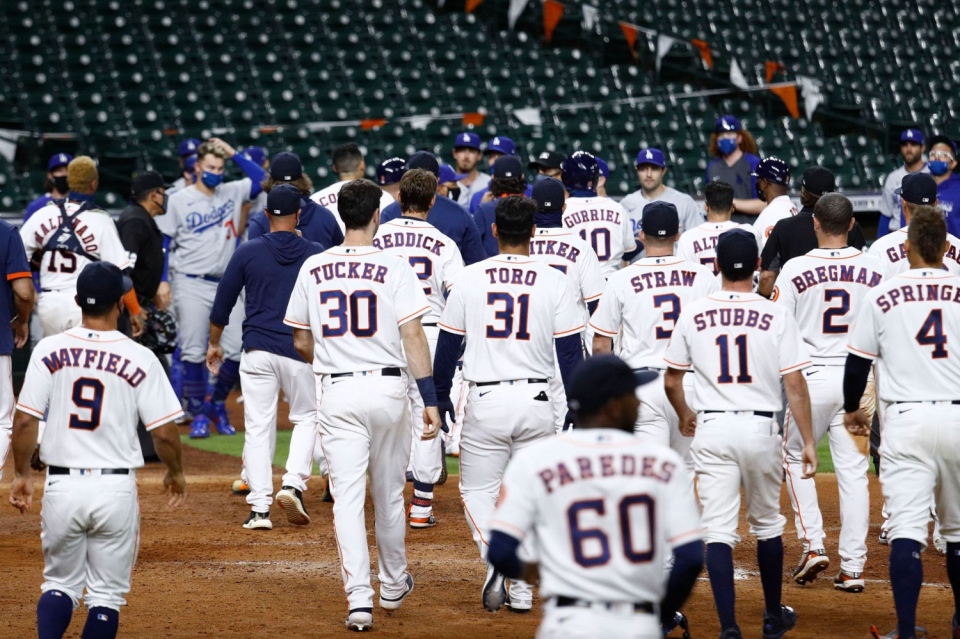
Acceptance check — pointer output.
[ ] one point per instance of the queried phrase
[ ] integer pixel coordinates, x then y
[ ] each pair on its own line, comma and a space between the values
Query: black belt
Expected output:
60, 470
529, 381
392, 371
564, 602
955, 402
759, 413
428, 324
205, 278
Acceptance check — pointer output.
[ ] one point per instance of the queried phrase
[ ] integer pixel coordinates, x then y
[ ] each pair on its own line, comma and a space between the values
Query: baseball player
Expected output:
739, 345
599, 220
497, 147
257, 155
514, 312
699, 244
651, 170
917, 382
204, 221
351, 309
645, 300
823, 290
266, 269
56, 186
911, 149
508, 179
466, 157
188, 174
436, 260
773, 178
627, 507
389, 173
188, 149
94, 384
349, 165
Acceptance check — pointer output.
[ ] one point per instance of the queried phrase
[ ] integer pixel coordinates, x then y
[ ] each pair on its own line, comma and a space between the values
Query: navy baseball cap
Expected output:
101, 283
189, 146
256, 154
912, 135
918, 188
651, 156
507, 166
501, 145
601, 378
818, 180
390, 171
283, 199
547, 160
660, 219
424, 160
189, 162
773, 169
549, 195
447, 174
737, 250
604, 169
60, 159
942, 139
286, 167
468, 140
727, 123
147, 181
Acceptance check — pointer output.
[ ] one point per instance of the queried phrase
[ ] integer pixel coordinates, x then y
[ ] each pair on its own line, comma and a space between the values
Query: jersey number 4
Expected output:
88, 395
591, 546
931, 334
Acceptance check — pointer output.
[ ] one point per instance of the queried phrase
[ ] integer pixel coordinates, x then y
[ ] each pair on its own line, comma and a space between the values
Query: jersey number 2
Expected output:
87, 394
599, 554
931, 333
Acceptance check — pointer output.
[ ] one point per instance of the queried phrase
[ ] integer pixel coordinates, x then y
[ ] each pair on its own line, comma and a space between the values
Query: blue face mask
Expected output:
211, 180
727, 146
938, 167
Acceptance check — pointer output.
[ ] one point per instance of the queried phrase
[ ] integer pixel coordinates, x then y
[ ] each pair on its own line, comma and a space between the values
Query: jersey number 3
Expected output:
88, 395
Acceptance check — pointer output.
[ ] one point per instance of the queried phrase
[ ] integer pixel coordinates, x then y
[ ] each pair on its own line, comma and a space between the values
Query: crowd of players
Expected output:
499, 288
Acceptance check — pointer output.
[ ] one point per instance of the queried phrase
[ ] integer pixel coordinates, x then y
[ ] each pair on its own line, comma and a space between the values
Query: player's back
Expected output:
568, 253
779, 208
824, 289
893, 253
329, 196
699, 243
604, 224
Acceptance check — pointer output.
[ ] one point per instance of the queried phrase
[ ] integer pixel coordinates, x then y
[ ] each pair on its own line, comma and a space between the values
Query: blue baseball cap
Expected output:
660, 219
256, 154
468, 140
283, 199
604, 169
773, 169
601, 378
286, 167
189, 162
918, 188
189, 146
737, 250
390, 171
942, 139
501, 145
549, 195
727, 123
60, 159
912, 135
507, 166
447, 174
651, 156
424, 160
101, 283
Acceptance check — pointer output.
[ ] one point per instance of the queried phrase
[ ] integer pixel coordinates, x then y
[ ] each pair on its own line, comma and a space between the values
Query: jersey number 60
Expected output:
599, 554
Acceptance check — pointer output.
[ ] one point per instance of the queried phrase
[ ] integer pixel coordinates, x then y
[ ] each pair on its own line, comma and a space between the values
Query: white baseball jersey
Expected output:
824, 290
328, 198
893, 253
203, 227
566, 252
605, 225
511, 308
96, 232
779, 208
606, 509
889, 200
647, 299
93, 386
689, 212
729, 341
434, 256
354, 300
908, 324
699, 244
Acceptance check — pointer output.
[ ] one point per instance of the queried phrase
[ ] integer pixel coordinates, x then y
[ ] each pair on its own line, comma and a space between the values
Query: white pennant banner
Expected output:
664, 44
812, 96
529, 116
419, 123
8, 143
513, 13
737, 78
589, 17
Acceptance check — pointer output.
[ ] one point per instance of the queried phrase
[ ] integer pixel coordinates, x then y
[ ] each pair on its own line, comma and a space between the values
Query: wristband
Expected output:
427, 391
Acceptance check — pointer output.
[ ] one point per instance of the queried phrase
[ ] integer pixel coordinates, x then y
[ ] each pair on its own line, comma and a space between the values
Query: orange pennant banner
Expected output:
473, 4
473, 119
552, 12
630, 33
789, 96
704, 51
772, 68
366, 125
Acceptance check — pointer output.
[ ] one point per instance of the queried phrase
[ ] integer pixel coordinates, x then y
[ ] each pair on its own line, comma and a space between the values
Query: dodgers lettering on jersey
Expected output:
699, 244
647, 298
511, 308
93, 387
604, 224
354, 300
95, 230
891, 250
569, 254
434, 257
729, 340
631, 495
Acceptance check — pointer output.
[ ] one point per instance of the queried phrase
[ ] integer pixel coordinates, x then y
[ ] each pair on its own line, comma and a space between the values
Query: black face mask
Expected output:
454, 194
60, 183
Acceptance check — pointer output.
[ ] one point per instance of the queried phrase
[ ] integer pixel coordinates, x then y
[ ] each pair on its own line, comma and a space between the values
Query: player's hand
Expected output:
568, 421
35, 462
176, 485
810, 460
21, 493
21, 332
431, 423
164, 297
137, 323
487, 197
229, 150
214, 358
688, 424
446, 409
857, 423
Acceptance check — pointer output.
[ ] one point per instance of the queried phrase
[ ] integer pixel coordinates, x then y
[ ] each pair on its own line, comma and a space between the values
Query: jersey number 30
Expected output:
88, 395
346, 314
591, 546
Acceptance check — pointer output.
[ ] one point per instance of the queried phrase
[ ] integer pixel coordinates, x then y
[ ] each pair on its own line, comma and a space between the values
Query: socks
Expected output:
953, 573
906, 577
194, 386
720, 569
176, 373
770, 559
54, 611
102, 623
422, 494
226, 380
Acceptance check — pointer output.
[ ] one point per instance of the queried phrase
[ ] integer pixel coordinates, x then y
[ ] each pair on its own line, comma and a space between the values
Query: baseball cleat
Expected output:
849, 581
218, 412
811, 564
919, 632
360, 619
775, 627
200, 428
423, 522
520, 597
258, 521
395, 602
327, 495
291, 500
494, 591
731, 633
241, 487
678, 621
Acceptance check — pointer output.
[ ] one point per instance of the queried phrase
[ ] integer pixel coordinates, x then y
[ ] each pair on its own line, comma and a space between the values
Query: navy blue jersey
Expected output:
14, 266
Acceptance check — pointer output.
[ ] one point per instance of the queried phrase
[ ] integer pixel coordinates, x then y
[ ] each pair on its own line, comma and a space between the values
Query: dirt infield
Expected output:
199, 574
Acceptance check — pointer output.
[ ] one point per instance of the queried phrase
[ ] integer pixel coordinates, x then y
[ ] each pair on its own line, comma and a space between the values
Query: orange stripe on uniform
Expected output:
17, 276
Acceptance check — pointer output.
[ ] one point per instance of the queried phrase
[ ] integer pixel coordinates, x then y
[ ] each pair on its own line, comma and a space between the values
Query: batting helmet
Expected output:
390, 171
580, 171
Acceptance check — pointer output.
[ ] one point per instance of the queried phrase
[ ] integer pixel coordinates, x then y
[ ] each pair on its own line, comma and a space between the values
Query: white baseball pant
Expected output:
365, 426
58, 311
262, 376
733, 450
192, 302
558, 397
90, 535
659, 421
426, 458
7, 408
459, 392
826, 404
574, 622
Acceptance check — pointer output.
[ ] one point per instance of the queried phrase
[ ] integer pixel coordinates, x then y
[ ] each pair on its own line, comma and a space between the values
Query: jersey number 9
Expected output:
597, 553
87, 394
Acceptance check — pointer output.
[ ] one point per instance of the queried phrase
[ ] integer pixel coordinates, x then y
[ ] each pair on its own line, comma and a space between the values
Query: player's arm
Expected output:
418, 360
166, 441
606, 320
24, 442
681, 521
228, 292
770, 263
856, 375
250, 168
678, 360
303, 342
749, 207
24, 296
502, 555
